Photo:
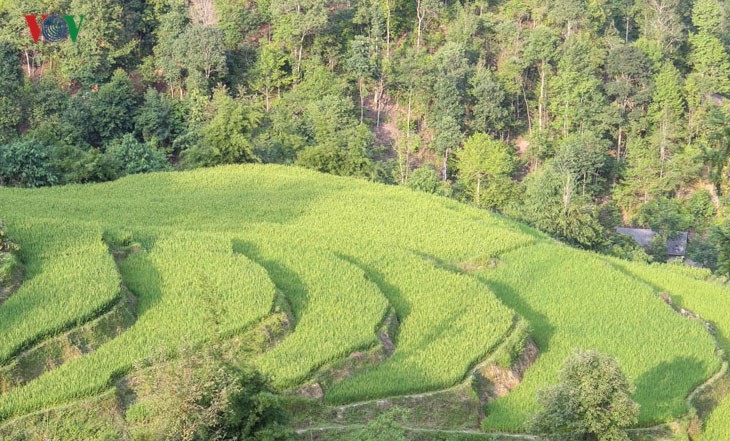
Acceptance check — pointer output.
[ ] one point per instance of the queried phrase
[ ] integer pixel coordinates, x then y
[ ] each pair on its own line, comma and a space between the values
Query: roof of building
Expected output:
676, 245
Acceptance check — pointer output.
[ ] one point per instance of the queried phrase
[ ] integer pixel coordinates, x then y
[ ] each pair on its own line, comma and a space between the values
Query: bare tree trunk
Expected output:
541, 104
27, 62
387, 29
527, 109
663, 148
378, 100
479, 190
420, 14
446, 160
362, 101
618, 146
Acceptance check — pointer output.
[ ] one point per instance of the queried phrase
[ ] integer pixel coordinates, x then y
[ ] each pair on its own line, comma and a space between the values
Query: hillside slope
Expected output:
217, 244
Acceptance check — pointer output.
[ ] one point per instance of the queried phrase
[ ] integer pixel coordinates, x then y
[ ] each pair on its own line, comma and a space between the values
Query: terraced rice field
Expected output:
216, 245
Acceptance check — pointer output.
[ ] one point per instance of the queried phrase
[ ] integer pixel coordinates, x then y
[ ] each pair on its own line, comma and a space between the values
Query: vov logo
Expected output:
54, 27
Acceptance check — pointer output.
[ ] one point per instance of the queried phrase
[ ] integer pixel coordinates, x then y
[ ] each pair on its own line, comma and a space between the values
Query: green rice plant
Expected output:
191, 288
576, 300
70, 279
448, 321
323, 290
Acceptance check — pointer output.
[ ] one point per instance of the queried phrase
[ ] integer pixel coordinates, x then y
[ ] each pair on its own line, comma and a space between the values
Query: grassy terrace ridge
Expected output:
216, 244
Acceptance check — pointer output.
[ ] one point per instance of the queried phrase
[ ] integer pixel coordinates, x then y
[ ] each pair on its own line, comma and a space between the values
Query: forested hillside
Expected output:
573, 115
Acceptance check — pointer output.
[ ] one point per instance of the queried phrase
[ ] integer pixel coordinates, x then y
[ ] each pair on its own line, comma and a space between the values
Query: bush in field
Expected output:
384, 428
131, 156
425, 179
25, 164
204, 397
591, 402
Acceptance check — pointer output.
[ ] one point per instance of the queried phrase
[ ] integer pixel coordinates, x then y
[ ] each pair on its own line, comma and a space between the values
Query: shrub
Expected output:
203, 396
425, 179
131, 156
26, 164
591, 402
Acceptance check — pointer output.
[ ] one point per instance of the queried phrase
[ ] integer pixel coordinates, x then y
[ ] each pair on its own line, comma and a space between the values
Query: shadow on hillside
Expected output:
391, 292
285, 280
542, 329
659, 384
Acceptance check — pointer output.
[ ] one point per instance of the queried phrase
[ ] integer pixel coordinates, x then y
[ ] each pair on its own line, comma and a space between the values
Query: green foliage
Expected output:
226, 138
113, 108
484, 161
204, 396
657, 248
425, 179
700, 208
552, 204
131, 156
159, 120
384, 428
664, 215
11, 79
721, 238
26, 164
592, 401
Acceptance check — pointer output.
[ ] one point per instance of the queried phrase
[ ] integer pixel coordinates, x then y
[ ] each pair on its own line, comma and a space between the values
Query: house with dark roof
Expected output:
676, 245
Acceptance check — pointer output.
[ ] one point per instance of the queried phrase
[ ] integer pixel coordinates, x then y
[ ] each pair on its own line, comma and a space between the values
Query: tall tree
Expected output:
11, 79
296, 20
592, 401
482, 159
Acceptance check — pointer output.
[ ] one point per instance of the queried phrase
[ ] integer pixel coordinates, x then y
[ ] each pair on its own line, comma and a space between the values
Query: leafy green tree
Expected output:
11, 79
591, 402
716, 148
106, 39
483, 159
552, 205
271, 72
662, 29
449, 91
169, 51
489, 111
360, 65
203, 51
26, 164
578, 102
584, 157
721, 237
629, 87
657, 248
664, 214
541, 51
425, 179
296, 20
711, 64
227, 137
158, 121
666, 111
131, 156
113, 108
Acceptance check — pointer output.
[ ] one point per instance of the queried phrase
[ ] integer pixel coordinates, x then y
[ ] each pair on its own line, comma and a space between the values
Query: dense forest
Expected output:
575, 116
